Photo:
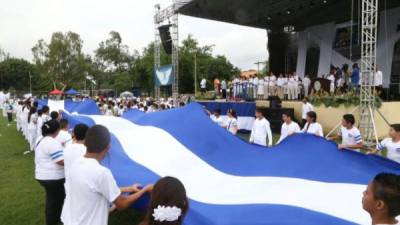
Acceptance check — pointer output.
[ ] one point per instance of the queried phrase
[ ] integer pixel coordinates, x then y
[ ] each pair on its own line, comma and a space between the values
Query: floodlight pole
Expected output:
369, 20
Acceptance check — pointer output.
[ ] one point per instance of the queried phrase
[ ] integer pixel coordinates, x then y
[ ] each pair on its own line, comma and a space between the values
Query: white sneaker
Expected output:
27, 152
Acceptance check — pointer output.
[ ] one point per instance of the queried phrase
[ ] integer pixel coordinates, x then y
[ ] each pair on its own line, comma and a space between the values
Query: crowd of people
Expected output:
290, 86
349, 134
79, 190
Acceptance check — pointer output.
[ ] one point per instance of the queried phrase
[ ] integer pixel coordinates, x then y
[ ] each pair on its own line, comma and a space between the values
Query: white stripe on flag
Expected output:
55, 105
160, 152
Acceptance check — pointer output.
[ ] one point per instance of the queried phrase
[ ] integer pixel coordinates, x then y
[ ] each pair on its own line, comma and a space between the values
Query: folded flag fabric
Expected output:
87, 107
303, 180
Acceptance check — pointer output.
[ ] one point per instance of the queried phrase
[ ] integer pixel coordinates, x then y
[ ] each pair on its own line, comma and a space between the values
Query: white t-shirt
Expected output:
72, 152
203, 83
64, 138
90, 189
350, 136
307, 107
231, 123
288, 129
218, 120
48, 152
378, 80
393, 149
314, 128
260, 131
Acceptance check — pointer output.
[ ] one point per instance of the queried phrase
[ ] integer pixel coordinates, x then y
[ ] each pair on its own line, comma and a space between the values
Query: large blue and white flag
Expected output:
87, 107
304, 180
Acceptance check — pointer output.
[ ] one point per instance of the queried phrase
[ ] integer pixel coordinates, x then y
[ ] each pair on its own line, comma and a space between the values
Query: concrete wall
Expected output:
330, 117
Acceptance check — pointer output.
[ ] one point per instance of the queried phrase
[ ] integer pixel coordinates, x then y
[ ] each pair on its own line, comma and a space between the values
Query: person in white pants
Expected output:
296, 88
331, 77
292, 87
306, 85
261, 130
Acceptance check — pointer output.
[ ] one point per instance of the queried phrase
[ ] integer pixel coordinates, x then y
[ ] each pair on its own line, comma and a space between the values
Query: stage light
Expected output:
269, 18
288, 11
325, 1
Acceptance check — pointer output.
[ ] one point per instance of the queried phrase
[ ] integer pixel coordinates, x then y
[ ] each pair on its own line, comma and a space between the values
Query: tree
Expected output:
61, 61
15, 74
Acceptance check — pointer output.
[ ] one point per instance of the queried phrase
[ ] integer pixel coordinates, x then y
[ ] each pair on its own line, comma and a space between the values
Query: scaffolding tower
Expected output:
167, 15
369, 20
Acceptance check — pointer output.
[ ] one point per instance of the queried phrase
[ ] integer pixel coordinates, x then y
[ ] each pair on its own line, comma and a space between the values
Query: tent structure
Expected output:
72, 92
56, 92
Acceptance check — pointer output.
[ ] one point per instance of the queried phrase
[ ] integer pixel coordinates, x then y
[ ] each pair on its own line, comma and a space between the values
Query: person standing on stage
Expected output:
279, 85
291, 87
306, 107
260, 89
266, 86
272, 85
306, 85
203, 85
296, 87
331, 78
378, 81
223, 88
261, 130
289, 127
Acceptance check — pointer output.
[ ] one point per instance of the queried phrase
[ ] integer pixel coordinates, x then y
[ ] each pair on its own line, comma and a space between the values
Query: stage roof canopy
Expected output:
276, 14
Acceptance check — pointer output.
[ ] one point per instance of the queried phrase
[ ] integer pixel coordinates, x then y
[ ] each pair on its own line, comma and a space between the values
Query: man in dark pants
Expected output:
9, 109
54, 199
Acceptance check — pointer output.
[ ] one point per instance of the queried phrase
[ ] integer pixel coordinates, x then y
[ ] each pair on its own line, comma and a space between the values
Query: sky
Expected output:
24, 22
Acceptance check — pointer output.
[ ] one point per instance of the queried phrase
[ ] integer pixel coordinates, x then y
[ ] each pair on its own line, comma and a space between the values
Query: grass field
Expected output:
21, 197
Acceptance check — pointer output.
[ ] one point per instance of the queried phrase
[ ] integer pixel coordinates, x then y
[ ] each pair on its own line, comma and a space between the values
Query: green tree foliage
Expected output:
61, 61
14, 74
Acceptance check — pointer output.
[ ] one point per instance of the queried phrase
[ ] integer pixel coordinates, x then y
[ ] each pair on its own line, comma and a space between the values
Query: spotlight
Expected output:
288, 11
269, 18
325, 1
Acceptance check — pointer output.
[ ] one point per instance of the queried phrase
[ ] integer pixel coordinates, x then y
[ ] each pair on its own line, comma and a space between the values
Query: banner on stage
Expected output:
164, 76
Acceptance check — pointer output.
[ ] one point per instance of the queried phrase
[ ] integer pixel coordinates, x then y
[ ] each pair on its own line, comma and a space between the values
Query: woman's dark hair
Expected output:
313, 116
168, 191
54, 115
45, 109
80, 131
39, 112
349, 118
64, 123
50, 127
31, 111
233, 113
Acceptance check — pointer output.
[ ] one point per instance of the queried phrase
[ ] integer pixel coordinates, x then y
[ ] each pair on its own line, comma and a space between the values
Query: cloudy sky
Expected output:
23, 22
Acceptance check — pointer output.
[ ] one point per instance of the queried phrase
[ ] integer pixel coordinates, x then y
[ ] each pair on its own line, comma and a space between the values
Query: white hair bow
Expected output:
167, 213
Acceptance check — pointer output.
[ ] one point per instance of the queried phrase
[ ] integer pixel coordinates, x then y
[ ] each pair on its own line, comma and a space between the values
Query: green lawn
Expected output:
21, 197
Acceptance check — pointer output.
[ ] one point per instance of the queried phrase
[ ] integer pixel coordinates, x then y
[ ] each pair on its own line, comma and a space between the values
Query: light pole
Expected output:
30, 82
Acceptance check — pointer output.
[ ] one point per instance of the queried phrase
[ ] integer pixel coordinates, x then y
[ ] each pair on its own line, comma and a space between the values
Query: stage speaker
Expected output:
166, 39
274, 116
394, 92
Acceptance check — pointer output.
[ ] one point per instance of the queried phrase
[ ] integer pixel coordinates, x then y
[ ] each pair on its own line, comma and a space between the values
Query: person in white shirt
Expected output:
296, 87
32, 120
261, 130
378, 81
216, 117
351, 136
92, 187
266, 87
292, 83
64, 137
49, 170
43, 118
77, 148
272, 85
231, 124
381, 199
289, 127
203, 85
312, 127
260, 89
306, 107
392, 144
279, 86
306, 85
236, 87
224, 87
331, 78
